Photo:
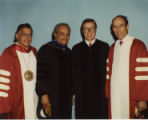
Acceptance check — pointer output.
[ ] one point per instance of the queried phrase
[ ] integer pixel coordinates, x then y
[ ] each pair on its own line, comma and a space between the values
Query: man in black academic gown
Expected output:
89, 70
54, 71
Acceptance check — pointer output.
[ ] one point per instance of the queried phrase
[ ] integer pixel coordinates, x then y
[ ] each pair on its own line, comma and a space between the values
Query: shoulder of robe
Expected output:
102, 43
45, 47
138, 43
9, 51
78, 45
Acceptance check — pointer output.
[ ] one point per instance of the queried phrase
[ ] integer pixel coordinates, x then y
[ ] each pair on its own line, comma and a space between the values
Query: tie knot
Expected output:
121, 42
90, 44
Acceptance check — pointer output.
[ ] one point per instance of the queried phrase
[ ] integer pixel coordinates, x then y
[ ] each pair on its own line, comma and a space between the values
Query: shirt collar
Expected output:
20, 48
125, 39
92, 42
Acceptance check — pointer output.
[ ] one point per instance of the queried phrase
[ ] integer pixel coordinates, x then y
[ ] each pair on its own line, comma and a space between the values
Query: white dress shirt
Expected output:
88, 42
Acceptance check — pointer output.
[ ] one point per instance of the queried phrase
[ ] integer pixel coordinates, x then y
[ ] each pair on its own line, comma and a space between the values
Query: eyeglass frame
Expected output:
91, 29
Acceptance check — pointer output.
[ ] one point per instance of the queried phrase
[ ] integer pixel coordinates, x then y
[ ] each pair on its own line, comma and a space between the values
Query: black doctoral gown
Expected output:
89, 70
54, 70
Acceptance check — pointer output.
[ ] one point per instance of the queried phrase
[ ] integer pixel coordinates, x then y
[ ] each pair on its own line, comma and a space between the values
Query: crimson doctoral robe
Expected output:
11, 92
138, 75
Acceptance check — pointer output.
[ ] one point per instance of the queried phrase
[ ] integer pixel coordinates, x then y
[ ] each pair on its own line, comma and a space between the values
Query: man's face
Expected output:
120, 28
62, 36
24, 37
89, 31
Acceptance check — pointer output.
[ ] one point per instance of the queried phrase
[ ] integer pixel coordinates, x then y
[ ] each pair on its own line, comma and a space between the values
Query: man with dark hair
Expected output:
89, 73
121, 16
26, 25
18, 77
54, 70
127, 73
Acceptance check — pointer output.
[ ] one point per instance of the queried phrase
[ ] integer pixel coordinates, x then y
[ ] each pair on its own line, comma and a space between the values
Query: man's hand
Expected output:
141, 105
46, 104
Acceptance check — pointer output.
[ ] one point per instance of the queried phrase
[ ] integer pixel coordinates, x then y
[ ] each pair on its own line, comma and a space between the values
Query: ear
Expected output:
96, 30
82, 32
17, 36
127, 26
55, 34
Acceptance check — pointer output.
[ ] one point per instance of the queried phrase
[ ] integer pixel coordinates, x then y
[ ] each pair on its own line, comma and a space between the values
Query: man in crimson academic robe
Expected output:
54, 75
89, 74
18, 77
127, 73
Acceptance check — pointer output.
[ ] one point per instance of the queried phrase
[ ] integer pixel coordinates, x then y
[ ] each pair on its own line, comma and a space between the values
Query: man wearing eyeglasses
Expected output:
18, 77
89, 69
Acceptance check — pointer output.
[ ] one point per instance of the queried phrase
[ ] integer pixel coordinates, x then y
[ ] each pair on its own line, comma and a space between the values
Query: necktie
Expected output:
90, 44
121, 42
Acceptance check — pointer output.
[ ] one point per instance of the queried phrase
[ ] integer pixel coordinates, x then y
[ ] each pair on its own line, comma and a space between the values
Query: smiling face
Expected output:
62, 35
89, 31
24, 37
120, 28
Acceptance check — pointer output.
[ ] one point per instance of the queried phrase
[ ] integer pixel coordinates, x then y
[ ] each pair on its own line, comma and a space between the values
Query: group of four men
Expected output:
106, 82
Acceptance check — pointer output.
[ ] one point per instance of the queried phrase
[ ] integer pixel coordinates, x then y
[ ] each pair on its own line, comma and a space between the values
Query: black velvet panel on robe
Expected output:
54, 71
89, 71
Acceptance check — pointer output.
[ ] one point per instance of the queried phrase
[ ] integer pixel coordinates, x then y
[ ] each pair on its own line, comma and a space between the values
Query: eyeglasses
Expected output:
91, 29
25, 35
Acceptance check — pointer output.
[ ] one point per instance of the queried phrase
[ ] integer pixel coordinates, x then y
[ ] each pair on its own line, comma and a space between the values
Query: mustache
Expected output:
65, 39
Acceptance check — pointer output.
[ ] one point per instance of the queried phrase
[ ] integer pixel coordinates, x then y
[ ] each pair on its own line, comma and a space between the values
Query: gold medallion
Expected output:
29, 75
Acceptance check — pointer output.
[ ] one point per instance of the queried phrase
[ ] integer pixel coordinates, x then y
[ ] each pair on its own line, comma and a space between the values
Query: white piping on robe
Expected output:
4, 80
4, 87
4, 72
107, 76
107, 60
3, 94
141, 78
142, 60
107, 68
141, 69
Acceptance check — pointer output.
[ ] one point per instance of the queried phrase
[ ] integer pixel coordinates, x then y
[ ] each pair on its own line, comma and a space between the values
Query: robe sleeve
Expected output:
140, 73
107, 80
75, 70
109, 71
5, 84
44, 75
